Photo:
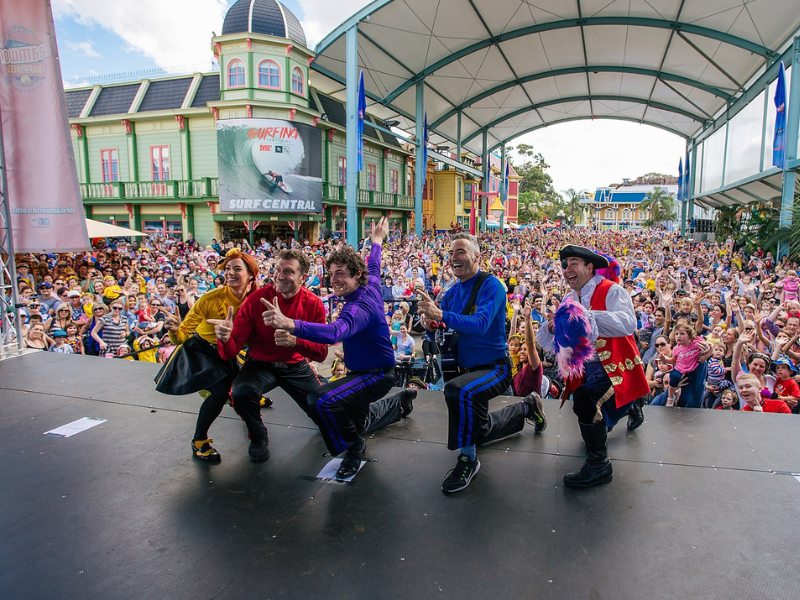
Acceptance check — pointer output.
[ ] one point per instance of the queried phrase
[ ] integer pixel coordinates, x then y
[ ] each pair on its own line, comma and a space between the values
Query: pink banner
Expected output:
44, 197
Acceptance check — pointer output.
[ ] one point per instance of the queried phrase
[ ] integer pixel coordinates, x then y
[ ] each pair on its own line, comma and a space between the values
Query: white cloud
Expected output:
592, 154
170, 32
84, 48
323, 16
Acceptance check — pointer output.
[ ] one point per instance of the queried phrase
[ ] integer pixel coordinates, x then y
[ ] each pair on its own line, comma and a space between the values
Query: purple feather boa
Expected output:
571, 343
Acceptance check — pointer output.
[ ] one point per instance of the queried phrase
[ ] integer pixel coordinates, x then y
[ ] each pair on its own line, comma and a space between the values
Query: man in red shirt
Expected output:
276, 358
750, 392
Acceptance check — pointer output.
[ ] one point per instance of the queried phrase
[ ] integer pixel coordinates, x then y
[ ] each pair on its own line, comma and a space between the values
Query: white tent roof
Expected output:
513, 66
97, 229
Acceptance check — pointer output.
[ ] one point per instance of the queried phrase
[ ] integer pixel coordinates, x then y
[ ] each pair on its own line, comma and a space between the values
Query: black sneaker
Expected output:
203, 450
459, 477
406, 402
535, 409
266, 402
259, 450
350, 464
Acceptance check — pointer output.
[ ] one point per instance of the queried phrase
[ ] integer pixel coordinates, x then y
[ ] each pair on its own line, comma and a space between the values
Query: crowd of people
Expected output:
714, 326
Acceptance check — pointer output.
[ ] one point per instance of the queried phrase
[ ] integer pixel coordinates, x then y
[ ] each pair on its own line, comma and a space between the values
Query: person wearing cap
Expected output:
60, 342
483, 360
786, 388
613, 381
46, 296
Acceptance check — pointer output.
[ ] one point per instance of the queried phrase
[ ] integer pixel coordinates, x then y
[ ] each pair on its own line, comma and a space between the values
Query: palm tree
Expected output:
660, 205
727, 222
573, 202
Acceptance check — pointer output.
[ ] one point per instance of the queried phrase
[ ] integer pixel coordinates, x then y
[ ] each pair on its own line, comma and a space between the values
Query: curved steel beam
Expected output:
354, 19
577, 70
690, 28
607, 117
526, 109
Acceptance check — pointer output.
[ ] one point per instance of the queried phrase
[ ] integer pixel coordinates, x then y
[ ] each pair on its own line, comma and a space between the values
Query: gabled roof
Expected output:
165, 94
513, 66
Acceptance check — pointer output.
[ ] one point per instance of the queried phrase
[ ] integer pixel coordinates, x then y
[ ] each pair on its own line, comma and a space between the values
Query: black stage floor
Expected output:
703, 503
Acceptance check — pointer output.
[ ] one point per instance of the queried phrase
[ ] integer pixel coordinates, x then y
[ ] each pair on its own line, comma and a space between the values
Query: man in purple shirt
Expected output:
345, 407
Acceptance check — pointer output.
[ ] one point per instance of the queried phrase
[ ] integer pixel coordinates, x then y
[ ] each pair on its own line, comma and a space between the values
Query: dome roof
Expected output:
267, 17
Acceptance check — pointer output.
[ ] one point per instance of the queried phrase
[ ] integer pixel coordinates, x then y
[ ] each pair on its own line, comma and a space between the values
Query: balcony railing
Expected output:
208, 187
145, 190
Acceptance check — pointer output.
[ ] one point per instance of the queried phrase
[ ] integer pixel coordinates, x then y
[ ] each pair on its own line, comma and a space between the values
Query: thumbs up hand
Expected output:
273, 317
223, 327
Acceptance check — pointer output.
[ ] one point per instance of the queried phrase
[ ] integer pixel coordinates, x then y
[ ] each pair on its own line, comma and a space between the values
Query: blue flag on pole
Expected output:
687, 193
362, 109
505, 183
680, 180
779, 143
425, 149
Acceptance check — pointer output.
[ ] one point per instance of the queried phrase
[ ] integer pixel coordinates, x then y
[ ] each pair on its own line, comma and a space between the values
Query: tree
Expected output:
532, 172
661, 207
573, 201
727, 222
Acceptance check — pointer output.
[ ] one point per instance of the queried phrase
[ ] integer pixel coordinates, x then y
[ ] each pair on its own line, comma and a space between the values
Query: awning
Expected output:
97, 229
763, 187
514, 66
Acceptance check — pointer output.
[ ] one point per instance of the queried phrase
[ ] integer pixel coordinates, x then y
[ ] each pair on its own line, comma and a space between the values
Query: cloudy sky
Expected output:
104, 37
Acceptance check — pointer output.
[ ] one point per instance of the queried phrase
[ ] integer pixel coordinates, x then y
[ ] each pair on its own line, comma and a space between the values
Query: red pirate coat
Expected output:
619, 357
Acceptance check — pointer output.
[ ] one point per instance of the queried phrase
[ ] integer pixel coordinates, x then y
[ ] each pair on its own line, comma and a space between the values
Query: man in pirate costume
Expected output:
613, 377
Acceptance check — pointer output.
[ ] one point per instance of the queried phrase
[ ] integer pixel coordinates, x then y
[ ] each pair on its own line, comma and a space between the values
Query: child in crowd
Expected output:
791, 285
728, 400
166, 349
338, 370
73, 340
786, 388
514, 347
685, 358
715, 374
60, 342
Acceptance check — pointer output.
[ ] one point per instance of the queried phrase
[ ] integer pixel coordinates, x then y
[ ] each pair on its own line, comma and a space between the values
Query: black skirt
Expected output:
194, 365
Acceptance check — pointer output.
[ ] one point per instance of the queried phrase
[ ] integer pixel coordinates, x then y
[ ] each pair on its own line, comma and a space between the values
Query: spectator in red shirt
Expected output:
750, 392
786, 388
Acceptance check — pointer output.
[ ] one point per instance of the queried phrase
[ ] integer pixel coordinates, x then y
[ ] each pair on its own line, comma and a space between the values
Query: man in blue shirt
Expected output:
482, 356
345, 408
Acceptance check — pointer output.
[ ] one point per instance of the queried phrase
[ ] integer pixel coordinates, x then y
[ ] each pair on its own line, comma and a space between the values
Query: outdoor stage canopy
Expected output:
511, 66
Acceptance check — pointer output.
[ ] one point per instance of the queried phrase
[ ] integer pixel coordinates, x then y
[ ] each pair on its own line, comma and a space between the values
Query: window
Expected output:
110, 165
372, 177
626, 215
468, 194
394, 185
342, 170
459, 191
609, 213
297, 82
269, 75
170, 229
159, 160
235, 73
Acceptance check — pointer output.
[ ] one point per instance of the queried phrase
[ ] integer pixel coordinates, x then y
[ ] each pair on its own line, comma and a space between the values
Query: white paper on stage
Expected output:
71, 429
329, 470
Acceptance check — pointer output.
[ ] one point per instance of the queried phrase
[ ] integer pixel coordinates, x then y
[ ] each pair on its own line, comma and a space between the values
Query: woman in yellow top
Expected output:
197, 365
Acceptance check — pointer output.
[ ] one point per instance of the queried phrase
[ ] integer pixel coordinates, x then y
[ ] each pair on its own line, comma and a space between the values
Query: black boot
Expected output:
636, 414
351, 461
597, 468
